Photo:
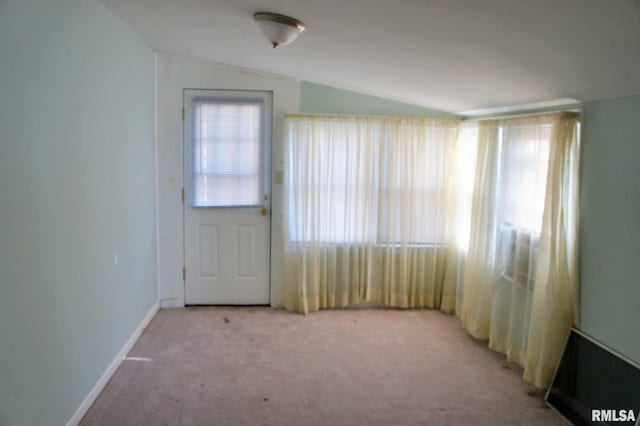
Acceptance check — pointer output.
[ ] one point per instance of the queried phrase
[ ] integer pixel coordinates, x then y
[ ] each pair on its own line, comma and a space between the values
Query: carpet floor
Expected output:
258, 366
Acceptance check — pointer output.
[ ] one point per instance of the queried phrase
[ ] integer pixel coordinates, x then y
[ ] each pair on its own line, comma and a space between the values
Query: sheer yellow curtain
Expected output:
370, 209
474, 306
555, 302
519, 287
523, 169
332, 172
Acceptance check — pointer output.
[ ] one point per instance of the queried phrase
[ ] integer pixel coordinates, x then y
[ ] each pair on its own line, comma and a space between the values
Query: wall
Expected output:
175, 74
610, 224
316, 98
77, 229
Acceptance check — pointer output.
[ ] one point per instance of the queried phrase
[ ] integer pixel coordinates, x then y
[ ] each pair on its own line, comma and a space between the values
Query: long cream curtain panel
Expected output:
520, 277
476, 217
370, 208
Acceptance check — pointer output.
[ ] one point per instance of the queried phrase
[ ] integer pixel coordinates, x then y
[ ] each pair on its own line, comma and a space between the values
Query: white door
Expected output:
227, 140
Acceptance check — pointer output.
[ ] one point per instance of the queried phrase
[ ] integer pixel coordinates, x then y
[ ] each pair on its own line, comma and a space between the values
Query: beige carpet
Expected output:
257, 366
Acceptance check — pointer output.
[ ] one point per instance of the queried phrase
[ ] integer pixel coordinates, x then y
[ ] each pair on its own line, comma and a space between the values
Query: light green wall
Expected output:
319, 99
76, 187
610, 224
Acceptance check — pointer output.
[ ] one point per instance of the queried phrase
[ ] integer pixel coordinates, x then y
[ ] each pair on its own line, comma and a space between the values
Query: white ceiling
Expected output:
451, 55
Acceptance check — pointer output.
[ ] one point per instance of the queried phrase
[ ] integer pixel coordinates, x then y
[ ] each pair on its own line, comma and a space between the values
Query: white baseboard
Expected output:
104, 379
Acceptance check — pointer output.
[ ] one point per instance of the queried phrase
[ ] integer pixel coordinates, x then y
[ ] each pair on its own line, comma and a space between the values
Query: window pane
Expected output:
368, 181
227, 154
524, 179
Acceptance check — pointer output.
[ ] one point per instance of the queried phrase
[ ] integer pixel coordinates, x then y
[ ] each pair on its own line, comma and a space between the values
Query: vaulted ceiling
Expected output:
451, 55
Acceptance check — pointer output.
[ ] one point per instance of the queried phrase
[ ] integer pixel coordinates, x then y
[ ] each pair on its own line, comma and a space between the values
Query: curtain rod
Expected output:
522, 115
576, 110
358, 116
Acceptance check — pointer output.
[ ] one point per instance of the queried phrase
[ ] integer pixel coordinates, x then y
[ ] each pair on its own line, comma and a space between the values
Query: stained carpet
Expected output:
258, 366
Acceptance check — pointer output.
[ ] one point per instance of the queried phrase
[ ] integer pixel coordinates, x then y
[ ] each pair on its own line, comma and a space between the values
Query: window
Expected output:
229, 139
369, 180
334, 174
523, 174
465, 163
524, 162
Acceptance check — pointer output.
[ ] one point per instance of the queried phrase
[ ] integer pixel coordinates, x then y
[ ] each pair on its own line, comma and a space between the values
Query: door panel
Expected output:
208, 255
227, 155
246, 251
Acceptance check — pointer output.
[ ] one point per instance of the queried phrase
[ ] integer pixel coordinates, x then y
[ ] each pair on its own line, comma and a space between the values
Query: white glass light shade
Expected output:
280, 30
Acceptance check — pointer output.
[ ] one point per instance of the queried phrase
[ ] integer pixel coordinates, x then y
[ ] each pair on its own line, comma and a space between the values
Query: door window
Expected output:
228, 149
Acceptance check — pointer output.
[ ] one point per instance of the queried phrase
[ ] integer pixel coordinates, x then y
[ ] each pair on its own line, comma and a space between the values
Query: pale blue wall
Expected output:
319, 99
610, 224
76, 187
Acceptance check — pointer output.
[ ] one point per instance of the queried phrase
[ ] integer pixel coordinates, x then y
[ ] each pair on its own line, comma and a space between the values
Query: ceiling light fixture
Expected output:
278, 29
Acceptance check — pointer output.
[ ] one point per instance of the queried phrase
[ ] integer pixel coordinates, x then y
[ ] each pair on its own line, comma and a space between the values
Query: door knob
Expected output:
264, 211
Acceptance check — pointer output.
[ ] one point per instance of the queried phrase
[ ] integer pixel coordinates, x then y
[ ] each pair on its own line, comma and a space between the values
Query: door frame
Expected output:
267, 171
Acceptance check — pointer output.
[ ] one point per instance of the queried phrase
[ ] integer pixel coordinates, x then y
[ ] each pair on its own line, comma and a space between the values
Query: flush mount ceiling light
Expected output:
278, 29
